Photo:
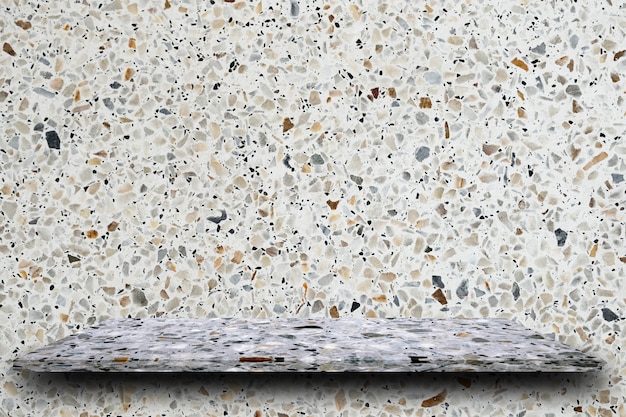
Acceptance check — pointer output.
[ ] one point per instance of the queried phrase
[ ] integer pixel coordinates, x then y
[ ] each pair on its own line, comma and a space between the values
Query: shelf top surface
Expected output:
307, 345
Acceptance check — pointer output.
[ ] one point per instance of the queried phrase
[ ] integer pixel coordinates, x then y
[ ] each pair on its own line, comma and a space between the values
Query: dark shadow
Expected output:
286, 382
302, 393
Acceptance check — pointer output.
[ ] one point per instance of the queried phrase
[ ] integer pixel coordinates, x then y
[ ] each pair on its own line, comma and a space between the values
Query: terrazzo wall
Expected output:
181, 158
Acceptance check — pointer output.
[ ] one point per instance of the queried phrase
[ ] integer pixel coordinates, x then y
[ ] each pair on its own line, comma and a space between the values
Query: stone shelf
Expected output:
307, 345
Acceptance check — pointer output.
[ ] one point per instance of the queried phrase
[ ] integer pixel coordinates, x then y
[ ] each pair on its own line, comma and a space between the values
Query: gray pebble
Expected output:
573, 90
461, 291
422, 153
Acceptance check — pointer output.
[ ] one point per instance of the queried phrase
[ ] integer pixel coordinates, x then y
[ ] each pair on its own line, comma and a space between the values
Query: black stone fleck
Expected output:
355, 306
115, 85
561, 236
54, 142
73, 258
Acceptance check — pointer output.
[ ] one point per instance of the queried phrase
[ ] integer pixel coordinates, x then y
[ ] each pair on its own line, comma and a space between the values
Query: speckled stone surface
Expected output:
313, 159
307, 345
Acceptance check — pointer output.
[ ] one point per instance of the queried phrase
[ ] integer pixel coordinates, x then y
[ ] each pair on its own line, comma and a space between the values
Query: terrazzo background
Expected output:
309, 159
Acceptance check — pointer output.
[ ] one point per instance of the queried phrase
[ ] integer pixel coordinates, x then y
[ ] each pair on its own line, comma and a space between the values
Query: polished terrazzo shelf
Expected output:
307, 345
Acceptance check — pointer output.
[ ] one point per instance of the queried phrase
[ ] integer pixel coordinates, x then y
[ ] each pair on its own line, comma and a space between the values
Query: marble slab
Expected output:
307, 345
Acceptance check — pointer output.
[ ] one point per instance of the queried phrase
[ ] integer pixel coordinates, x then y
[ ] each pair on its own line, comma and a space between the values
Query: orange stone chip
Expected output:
519, 63
91, 234
121, 359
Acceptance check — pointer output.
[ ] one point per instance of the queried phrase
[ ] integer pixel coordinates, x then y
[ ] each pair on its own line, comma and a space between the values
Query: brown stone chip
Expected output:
237, 257
121, 359
8, 49
167, 4
425, 103
562, 60
112, 226
128, 74
433, 401
287, 124
596, 159
614, 77
255, 359
332, 204
446, 129
466, 382
334, 313
618, 55
440, 296
490, 149
91, 234
519, 63
24, 24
